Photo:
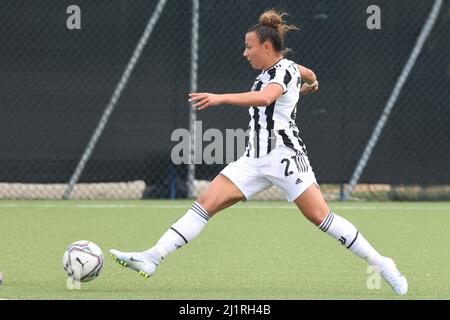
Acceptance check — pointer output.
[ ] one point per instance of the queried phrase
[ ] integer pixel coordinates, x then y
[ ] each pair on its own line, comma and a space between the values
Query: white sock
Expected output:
347, 234
181, 232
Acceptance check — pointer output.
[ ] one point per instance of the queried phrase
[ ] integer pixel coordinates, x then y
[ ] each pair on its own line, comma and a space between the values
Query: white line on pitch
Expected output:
262, 207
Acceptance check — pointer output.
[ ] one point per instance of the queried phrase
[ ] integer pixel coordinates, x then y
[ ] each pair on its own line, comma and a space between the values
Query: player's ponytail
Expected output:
271, 27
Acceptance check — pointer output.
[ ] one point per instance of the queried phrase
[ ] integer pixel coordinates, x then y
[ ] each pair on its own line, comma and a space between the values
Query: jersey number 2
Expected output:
287, 172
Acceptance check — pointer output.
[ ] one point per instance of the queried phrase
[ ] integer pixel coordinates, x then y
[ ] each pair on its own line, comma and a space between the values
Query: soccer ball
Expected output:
83, 261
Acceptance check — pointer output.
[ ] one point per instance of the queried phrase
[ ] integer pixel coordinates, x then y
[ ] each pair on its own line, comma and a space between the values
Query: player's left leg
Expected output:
291, 172
313, 206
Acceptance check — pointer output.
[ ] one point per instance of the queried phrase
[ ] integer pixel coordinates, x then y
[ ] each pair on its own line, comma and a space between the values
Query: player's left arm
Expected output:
311, 84
246, 99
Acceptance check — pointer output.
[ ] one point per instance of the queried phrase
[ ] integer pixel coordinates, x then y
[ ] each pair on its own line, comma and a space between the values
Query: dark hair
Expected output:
271, 27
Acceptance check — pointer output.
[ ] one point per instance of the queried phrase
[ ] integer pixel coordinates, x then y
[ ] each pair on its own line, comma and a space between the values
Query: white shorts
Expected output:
283, 167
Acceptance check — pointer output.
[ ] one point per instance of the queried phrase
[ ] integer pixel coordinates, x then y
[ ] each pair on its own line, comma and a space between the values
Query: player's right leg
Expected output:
220, 194
237, 181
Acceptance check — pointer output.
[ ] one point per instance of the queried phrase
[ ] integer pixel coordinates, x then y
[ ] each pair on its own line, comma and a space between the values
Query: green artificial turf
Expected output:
254, 250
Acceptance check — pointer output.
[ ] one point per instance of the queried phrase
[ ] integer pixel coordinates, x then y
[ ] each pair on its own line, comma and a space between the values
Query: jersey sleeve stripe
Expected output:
270, 125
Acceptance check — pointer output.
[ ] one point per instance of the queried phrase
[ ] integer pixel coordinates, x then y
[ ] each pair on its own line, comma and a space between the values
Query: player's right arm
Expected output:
264, 97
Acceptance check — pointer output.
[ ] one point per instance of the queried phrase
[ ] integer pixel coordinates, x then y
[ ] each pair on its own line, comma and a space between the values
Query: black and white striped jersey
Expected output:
274, 125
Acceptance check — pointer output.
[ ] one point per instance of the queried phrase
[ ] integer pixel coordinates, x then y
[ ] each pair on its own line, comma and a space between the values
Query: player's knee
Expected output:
210, 204
203, 201
316, 216
214, 204
318, 220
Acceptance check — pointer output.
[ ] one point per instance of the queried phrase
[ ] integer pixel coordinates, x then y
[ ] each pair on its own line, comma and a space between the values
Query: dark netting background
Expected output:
55, 84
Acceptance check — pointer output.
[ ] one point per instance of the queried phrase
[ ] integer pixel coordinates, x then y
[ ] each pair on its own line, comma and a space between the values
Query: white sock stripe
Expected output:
201, 215
329, 224
325, 223
198, 205
199, 212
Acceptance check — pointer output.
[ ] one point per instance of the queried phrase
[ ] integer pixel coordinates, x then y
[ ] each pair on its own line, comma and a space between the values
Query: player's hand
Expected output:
204, 100
305, 89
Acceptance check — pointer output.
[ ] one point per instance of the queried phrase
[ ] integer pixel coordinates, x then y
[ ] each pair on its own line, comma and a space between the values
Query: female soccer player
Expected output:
275, 155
